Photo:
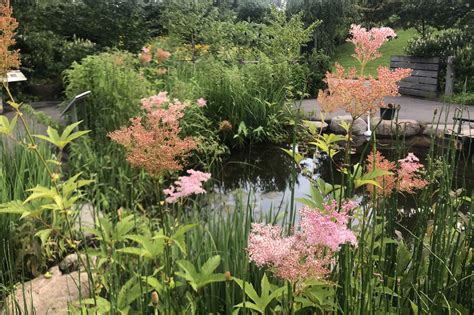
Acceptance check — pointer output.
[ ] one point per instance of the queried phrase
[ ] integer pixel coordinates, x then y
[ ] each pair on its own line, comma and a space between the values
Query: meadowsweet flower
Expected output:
161, 71
162, 54
386, 182
309, 251
145, 56
404, 178
328, 229
367, 42
408, 174
354, 92
9, 59
201, 102
359, 95
187, 185
153, 141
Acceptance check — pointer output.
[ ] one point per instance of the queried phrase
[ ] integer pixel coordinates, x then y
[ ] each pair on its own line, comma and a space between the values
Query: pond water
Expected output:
265, 172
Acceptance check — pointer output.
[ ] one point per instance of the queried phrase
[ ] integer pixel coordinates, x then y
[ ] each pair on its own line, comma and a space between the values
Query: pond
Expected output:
265, 172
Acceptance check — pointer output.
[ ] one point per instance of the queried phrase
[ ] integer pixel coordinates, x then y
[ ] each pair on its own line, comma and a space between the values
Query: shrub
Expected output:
318, 63
250, 96
438, 44
445, 43
116, 86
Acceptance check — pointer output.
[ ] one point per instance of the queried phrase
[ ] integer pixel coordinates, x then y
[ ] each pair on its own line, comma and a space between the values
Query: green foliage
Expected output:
318, 64
449, 42
333, 16
199, 279
116, 87
252, 95
259, 302
124, 26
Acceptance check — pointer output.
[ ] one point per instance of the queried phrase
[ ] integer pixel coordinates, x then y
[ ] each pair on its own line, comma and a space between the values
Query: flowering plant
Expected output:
354, 92
10, 59
153, 142
404, 178
309, 252
187, 186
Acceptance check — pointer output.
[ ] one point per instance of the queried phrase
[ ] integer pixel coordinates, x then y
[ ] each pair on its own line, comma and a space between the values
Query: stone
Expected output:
48, 294
358, 128
71, 263
439, 130
407, 127
316, 125
86, 220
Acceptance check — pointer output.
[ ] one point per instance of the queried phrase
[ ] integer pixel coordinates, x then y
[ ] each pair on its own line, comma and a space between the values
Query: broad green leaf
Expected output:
210, 265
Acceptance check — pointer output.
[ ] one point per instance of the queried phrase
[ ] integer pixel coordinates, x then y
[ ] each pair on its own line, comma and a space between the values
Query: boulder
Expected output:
358, 128
439, 130
406, 127
48, 294
71, 263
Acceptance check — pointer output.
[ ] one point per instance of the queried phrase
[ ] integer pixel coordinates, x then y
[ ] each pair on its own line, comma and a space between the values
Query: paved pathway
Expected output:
418, 109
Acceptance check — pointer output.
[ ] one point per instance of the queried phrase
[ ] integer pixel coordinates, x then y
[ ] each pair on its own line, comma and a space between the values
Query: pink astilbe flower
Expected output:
404, 178
367, 42
408, 174
309, 252
187, 185
201, 102
359, 95
153, 142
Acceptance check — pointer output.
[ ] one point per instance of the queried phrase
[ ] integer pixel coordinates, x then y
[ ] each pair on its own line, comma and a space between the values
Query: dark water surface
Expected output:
266, 171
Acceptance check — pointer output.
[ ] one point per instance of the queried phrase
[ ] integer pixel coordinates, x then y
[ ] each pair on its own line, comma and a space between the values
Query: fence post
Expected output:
448, 89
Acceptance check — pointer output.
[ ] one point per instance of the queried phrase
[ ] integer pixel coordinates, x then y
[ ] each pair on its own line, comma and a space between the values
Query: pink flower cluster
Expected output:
153, 142
148, 53
309, 252
359, 95
404, 178
187, 186
355, 93
367, 42
408, 174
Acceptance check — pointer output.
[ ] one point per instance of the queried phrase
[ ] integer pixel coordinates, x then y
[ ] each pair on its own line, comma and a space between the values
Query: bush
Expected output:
116, 86
250, 96
318, 64
445, 43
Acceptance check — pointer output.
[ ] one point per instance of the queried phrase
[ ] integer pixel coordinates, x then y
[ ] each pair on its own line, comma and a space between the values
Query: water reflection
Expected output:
266, 171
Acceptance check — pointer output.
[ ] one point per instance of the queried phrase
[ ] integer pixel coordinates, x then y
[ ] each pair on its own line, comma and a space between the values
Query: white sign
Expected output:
15, 76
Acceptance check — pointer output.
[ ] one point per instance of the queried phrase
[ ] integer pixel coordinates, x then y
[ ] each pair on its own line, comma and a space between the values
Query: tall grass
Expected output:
19, 171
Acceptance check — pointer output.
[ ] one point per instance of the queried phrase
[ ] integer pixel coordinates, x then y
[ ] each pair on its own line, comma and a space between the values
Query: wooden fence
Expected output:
424, 78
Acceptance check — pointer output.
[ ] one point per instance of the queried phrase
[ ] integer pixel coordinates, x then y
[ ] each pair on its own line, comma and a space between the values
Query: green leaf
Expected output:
13, 207
210, 265
43, 235
6, 127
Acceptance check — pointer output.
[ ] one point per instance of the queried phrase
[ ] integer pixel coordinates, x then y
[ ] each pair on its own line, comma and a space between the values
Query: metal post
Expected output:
448, 89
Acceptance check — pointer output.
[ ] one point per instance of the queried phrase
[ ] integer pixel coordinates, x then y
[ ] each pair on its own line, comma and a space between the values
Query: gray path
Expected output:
421, 110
